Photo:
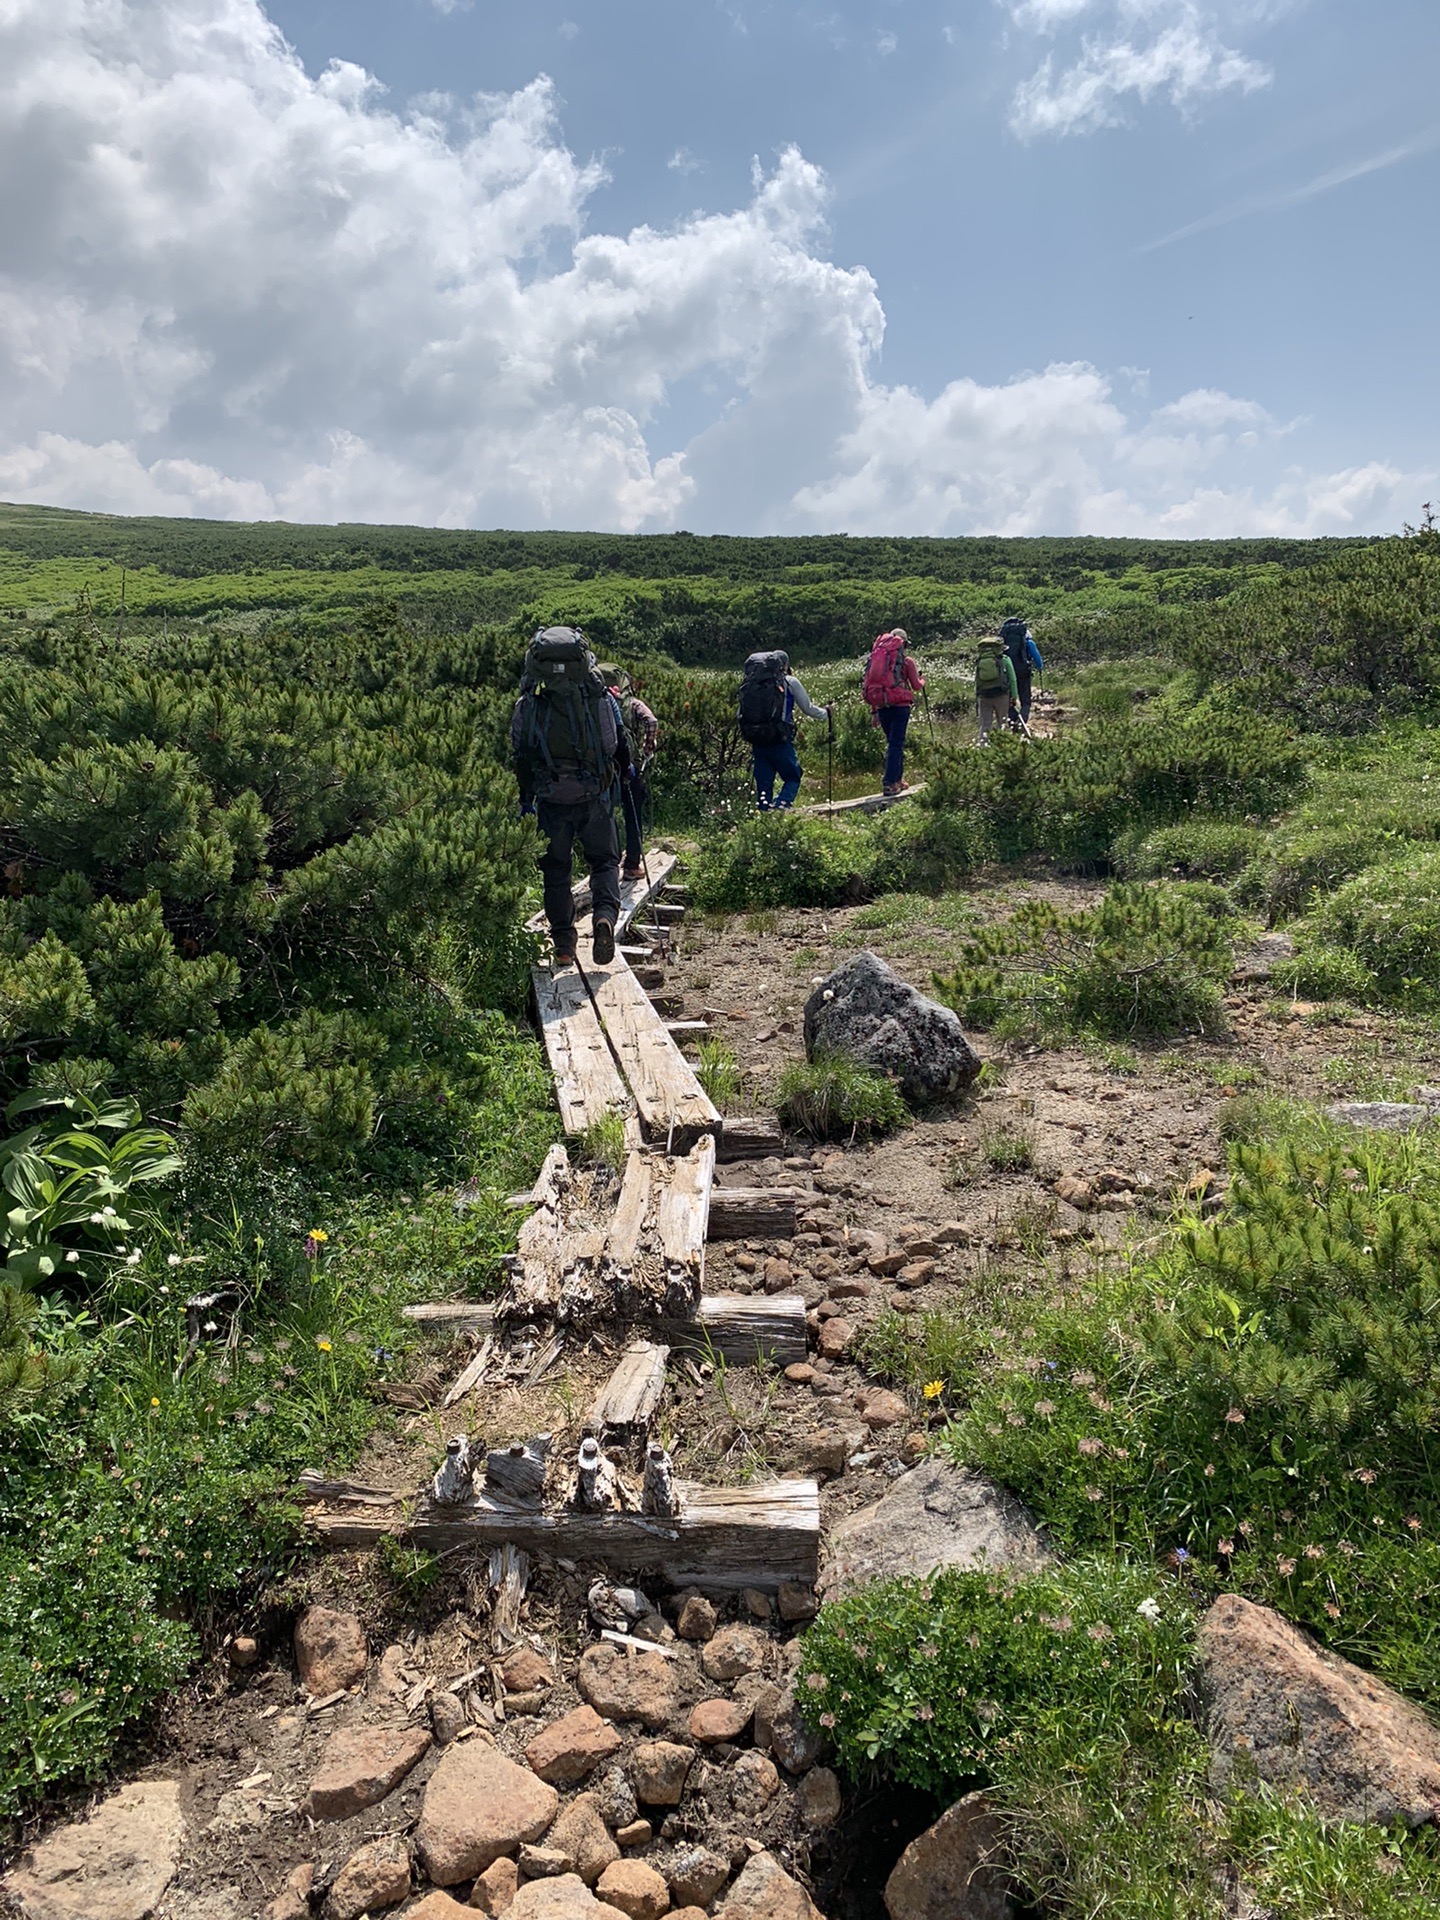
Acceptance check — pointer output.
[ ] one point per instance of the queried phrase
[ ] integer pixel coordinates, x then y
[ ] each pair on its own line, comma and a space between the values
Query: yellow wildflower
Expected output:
323, 1345
319, 1236
933, 1389
154, 1399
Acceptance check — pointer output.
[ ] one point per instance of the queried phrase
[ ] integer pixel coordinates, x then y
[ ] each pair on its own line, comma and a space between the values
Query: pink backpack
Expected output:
885, 669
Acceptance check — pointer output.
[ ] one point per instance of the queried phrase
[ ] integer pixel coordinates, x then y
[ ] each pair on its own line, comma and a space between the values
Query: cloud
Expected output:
228, 288
886, 42
683, 161
1141, 49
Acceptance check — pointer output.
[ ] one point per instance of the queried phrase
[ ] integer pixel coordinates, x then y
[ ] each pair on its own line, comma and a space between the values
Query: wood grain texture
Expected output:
629, 1398
753, 1213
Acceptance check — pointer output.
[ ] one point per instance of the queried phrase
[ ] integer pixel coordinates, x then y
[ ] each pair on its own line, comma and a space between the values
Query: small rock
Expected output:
614, 1797
582, 1839
696, 1875
764, 1891
622, 1686
376, 1875
330, 1651
1114, 1180
819, 1798
696, 1620
834, 1337
850, 1289
394, 1676
1074, 1191
757, 1604
879, 1407
767, 1700
755, 1781
243, 1651
688, 1913
887, 1263
635, 1888
543, 1863
747, 1263
796, 1602
477, 1806
359, 1766
658, 1771
293, 1900
732, 1652
828, 1450
447, 1717
570, 1749
779, 1276
523, 1670
800, 1374
567, 1898
639, 1833
496, 1888
914, 1449
953, 1234
950, 1872
438, 1906
713, 1721
794, 1743
916, 1273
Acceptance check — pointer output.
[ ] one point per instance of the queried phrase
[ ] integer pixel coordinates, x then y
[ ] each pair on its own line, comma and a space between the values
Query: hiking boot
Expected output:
602, 942
564, 955
632, 873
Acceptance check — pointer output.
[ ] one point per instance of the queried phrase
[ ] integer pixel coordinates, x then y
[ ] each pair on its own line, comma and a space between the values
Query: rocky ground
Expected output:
403, 1747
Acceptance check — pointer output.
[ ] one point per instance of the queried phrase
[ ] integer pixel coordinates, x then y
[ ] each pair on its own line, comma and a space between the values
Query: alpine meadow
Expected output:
1141, 1299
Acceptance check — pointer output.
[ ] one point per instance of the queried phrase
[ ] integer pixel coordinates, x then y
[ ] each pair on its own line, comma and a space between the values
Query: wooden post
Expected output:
752, 1137
744, 1329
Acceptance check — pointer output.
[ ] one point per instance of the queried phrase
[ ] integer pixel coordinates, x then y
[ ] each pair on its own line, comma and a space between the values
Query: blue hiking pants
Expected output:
894, 721
777, 761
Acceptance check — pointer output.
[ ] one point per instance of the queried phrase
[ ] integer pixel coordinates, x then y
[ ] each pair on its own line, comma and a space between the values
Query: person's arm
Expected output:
649, 725
519, 759
803, 701
1033, 653
1010, 676
613, 737
913, 675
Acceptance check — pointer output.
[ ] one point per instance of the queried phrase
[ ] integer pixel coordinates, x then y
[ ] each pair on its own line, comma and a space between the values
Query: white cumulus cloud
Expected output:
1130, 50
228, 288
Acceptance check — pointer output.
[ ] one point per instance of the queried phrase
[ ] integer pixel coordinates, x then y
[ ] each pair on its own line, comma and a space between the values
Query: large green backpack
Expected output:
563, 695
990, 676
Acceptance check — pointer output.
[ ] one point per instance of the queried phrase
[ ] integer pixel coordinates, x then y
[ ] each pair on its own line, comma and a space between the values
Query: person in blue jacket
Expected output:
1024, 657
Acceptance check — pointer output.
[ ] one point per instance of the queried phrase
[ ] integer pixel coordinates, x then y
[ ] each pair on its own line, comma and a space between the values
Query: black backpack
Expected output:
1015, 633
762, 700
563, 694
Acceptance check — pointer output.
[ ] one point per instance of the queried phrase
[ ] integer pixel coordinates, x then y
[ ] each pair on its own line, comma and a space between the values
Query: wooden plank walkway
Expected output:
725, 1538
865, 802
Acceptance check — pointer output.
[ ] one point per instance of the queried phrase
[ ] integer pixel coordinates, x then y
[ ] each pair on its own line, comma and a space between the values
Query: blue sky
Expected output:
1012, 265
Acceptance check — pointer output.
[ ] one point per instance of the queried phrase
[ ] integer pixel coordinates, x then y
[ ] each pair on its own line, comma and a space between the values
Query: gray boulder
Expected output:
864, 1009
935, 1516
955, 1870
1385, 1116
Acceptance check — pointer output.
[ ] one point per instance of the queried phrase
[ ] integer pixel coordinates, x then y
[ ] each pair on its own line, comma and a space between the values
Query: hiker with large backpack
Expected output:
568, 745
995, 691
1024, 658
642, 730
769, 696
892, 681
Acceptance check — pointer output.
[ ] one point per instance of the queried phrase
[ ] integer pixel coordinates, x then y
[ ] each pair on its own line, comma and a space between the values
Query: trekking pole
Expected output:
929, 721
830, 754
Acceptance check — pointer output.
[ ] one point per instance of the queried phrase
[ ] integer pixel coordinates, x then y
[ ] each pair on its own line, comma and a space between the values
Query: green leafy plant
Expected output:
833, 1096
66, 1180
718, 1072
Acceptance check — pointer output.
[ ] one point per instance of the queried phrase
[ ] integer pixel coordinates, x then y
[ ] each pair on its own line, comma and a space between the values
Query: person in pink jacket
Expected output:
892, 681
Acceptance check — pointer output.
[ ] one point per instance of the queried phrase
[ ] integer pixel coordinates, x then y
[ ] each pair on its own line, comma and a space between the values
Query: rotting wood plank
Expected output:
865, 802
725, 1538
749, 1137
632, 1209
628, 1400
634, 894
744, 1329
753, 1213
672, 1104
682, 1216
449, 1317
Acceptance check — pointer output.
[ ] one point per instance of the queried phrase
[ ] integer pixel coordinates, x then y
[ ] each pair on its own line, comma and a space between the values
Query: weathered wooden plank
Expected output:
683, 1212
865, 802
725, 1538
744, 1329
634, 894
753, 1213
587, 1081
749, 1137
672, 1104
449, 1317
632, 1209
629, 1398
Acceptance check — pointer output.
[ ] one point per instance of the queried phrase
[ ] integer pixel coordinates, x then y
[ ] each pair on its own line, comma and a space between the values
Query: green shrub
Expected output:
1298, 865
922, 850
783, 860
1257, 1402
1325, 973
938, 1679
1146, 962
718, 1071
1197, 849
1389, 918
833, 1096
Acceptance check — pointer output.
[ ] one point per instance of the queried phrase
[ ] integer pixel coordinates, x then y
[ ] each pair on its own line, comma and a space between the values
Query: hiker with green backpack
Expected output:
995, 689
569, 749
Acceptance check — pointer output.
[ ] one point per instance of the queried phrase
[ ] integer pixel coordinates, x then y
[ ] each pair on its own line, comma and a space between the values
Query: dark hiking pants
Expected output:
1023, 682
893, 723
592, 823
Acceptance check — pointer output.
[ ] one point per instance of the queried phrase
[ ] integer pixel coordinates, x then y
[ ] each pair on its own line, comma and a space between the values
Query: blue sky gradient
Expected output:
1227, 209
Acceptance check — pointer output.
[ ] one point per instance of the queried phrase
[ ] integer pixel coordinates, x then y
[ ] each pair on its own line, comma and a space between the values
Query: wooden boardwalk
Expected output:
865, 802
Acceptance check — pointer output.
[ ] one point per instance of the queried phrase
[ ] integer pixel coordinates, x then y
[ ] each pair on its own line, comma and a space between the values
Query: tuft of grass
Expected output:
1008, 1146
718, 1071
833, 1097
602, 1143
